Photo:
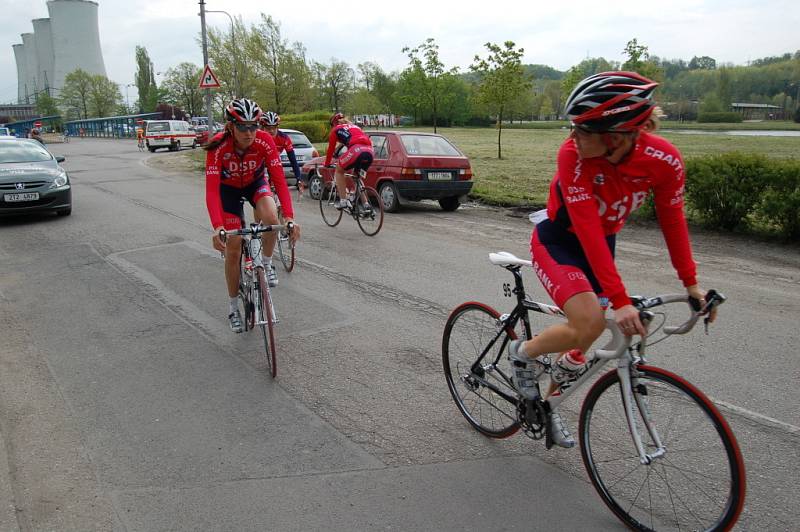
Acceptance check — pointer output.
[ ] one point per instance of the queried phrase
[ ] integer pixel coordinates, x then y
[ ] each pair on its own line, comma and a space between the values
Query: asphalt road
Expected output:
127, 404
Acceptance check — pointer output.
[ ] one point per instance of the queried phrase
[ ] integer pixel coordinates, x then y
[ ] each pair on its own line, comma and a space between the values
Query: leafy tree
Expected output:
384, 86
46, 105
365, 103
104, 96
724, 88
369, 72
181, 87
584, 69
278, 62
75, 94
703, 63
333, 82
145, 81
501, 81
639, 61
430, 74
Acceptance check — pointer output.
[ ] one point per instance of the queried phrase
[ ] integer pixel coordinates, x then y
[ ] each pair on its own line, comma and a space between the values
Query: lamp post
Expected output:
237, 89
127, 100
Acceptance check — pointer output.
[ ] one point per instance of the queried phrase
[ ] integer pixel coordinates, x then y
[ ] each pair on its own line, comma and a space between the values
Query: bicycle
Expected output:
367, 211
285, 245
254, 292
140, 143
701, 458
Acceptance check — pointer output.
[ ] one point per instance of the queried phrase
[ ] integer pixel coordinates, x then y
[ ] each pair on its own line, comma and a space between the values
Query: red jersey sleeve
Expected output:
276, 175
575, 181
287, 143
213, 199
331, 145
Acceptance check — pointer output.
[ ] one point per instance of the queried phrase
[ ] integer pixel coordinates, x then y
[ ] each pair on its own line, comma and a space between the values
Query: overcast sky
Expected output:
555, 33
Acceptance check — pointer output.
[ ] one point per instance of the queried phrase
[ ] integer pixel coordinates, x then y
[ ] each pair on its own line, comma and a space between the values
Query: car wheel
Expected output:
314, 185
194, 143
64, 212
388, 192
450, 203
152, 149
178, 146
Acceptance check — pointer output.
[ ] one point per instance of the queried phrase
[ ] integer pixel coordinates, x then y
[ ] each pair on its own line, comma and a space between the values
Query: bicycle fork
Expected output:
632, 390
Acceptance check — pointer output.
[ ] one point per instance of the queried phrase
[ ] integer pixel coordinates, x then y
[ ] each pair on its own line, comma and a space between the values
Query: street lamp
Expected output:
236, 86
127, 100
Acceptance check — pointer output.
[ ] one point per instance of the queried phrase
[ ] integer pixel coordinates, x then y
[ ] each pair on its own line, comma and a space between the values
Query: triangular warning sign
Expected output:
208, 80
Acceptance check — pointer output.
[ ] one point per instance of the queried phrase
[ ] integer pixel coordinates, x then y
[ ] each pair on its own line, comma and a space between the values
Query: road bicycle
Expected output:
140, 144
254, 292
366, 206
286, 248
678, 468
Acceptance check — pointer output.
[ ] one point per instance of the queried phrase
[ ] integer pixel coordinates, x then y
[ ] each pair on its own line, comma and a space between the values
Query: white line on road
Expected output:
755, 416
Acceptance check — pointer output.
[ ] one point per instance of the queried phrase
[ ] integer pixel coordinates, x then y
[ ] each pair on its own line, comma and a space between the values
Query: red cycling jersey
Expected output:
225, 166
592, 198
347, 134
283, 142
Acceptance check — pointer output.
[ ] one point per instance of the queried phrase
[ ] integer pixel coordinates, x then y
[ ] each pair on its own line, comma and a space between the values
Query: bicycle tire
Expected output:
714, 466
267, 332
370, 220
468, 331
245, 297
285, 246
330, 214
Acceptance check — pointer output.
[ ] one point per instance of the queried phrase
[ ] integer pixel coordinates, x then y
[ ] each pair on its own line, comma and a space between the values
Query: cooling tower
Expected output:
76, 39
22, 72
44, 52
31, 69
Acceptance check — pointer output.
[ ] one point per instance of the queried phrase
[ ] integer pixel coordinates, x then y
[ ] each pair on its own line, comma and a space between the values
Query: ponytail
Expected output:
214, 143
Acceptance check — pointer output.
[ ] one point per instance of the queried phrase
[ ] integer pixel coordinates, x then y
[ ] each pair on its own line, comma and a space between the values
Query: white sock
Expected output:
234, 305
267, 262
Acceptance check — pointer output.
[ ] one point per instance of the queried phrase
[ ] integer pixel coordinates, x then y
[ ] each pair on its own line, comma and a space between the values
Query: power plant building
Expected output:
67, 40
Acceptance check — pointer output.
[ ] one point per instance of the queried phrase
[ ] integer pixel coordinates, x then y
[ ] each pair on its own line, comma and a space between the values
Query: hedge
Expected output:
316, 131
728, 117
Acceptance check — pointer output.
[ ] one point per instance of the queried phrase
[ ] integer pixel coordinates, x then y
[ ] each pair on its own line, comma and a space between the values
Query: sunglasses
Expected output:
245, 128
581, 129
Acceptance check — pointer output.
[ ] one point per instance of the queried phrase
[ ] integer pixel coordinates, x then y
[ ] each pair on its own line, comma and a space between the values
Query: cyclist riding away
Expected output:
358, 155
269, 122
605, 170
237, 163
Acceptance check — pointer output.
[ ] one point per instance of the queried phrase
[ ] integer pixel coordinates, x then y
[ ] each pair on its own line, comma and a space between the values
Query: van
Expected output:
171, 134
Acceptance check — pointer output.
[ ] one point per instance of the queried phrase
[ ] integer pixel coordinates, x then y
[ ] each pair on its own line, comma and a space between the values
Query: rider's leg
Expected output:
267, 212
233, 254
341, 182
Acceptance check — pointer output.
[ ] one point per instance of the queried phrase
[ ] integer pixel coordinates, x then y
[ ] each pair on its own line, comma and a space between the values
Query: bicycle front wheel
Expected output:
285, 246
471, 329
369, 215
699, 482
327, 199
267, 322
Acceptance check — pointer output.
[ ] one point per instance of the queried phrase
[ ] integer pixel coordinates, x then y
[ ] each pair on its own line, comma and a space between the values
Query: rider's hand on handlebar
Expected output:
627, 318
217, 240
699, 294
294, 234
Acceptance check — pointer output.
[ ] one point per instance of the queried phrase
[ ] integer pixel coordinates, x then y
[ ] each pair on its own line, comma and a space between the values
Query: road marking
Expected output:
755, 416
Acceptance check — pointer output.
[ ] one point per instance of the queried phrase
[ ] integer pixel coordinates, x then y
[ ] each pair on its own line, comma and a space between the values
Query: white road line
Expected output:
755, 416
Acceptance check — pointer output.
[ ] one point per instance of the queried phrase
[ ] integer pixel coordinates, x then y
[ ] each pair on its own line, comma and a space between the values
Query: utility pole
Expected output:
205, 62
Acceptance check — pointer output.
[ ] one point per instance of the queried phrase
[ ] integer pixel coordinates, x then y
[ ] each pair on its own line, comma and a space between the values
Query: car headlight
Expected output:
60, 180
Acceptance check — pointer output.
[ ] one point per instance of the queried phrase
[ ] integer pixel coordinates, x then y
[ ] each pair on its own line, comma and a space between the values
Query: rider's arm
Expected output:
576, 183
213, 199
278, 179
331, 145
287, 145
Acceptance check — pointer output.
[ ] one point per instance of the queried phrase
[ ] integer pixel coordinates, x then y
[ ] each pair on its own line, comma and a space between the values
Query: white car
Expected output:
5, 132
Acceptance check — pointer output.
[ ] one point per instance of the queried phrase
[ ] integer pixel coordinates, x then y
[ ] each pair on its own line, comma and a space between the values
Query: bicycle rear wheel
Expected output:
698, 484
266, 324
369, 218
330, 214
467, 333
285, 246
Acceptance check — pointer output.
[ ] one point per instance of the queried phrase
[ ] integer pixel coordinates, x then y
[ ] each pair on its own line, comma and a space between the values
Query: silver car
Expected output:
32, 180
303, 150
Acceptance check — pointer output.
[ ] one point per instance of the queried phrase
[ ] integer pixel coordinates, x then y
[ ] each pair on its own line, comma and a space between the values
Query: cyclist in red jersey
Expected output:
358, 155
270, 122
605, 170
238, 161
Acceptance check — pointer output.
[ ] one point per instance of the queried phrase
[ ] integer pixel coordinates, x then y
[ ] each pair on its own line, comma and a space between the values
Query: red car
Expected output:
408, 166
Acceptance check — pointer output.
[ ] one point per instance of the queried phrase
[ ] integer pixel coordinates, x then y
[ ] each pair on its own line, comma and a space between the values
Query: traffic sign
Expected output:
37, 124
208, 80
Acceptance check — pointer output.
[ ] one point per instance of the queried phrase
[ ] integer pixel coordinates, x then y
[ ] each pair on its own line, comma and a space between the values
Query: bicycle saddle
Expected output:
504, 258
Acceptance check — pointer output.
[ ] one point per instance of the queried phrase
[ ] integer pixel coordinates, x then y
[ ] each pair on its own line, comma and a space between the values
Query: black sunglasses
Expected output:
581, 129
246, 127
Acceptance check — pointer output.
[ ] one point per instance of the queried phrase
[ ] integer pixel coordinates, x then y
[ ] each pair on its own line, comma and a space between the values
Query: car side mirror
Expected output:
60, 158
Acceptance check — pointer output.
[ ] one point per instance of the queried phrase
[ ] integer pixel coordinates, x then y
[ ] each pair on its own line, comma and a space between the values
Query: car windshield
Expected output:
23, 152
299, 140
428, 145
158, 126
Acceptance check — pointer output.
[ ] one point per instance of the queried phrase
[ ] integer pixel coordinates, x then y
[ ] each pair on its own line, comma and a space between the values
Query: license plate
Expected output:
24, 196
439, 176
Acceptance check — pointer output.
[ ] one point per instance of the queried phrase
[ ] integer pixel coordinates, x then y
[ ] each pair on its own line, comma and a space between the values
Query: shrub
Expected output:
311, 116
316, 131
724, 189
780, 203
731, 117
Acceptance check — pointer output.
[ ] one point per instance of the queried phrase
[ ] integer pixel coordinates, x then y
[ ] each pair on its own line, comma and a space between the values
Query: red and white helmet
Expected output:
335, 118
243, 110
270, 118
611, 102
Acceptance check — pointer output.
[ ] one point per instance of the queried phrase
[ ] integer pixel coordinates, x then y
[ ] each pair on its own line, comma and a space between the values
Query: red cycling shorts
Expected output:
358, 155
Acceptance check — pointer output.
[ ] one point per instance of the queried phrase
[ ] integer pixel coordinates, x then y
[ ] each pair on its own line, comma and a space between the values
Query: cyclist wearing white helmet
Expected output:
270, 122
237, 164
605, 170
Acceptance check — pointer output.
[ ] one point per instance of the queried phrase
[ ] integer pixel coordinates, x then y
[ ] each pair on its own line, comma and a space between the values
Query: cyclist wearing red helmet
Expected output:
606, 169
270, 122
237, 164
358, 155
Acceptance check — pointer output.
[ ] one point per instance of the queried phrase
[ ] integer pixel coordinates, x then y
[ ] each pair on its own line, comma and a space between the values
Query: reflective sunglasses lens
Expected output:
246, 127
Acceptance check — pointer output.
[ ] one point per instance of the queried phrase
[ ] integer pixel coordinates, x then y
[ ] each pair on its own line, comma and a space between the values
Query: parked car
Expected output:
408, 166
5, 132
304, 151
201, 133
31, 179
170, 134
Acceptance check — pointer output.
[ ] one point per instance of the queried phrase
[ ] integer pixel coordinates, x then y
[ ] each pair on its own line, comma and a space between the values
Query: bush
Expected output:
724, 189
732, 118
316, 131
311, 116
780, 203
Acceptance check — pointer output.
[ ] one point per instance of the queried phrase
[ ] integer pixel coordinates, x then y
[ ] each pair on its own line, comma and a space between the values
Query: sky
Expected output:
555, 33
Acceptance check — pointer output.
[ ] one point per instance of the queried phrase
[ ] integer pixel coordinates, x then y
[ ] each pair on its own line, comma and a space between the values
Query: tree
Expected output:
429, 74
75, 94
724, 88
277, 62
46, 105
582, 70
333, 82
145, 81
104, 96
702, 63
639, 61
181, 87
501, 80
369, 72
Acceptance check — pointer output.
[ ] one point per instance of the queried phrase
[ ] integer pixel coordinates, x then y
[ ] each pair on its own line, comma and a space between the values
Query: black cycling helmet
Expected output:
611, 102
335, 118
271, 118
243, 110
